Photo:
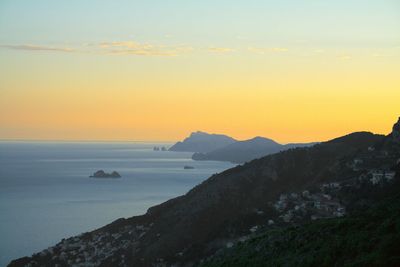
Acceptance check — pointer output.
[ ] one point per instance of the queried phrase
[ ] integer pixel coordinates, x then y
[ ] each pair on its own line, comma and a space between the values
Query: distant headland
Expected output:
221, 147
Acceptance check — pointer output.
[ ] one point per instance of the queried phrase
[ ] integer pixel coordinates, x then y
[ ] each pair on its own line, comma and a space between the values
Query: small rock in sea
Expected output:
102, 174
188, 167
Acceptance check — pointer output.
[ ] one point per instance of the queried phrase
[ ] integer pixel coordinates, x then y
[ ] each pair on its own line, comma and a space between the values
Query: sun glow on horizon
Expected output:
131, 71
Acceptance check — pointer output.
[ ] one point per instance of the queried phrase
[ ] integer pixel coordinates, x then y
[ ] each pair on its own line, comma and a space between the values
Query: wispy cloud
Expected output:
279, 49
265, 50
135, 48
142, 49
30, 47
220, 50
110, 48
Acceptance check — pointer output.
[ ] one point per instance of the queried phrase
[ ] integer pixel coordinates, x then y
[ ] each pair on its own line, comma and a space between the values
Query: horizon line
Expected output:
37, 140
84, 140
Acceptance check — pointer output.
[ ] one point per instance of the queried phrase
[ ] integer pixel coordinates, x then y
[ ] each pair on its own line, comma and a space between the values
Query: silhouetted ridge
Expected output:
357, 138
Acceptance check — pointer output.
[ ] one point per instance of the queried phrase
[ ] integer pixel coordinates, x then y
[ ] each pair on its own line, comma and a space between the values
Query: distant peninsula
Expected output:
247, 150
221, 147
102, 174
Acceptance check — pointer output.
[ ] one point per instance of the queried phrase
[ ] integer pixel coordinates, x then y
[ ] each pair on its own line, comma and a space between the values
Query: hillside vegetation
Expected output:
370, 238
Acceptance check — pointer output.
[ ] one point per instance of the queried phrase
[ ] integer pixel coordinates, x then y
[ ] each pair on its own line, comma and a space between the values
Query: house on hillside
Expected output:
379, 176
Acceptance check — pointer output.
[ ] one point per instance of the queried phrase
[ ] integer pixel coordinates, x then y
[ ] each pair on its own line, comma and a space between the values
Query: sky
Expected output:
293, 71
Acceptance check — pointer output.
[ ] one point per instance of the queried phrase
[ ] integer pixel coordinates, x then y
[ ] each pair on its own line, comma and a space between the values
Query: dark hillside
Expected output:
367, 238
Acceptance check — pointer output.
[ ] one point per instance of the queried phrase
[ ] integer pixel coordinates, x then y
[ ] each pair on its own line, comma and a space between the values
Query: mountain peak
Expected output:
199, 133
206, 135
202, 142
261, 139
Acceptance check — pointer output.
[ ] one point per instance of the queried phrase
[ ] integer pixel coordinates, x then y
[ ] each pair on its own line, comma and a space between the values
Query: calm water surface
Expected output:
46, 195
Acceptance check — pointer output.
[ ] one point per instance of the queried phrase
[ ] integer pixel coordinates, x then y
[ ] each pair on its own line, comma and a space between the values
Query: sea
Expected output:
46, 193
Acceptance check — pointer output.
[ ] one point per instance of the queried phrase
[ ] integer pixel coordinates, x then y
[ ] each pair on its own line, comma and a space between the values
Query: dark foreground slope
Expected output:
369, 238
290, 188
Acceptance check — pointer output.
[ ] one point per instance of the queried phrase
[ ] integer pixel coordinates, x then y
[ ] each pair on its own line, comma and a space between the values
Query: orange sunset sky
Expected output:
293, 71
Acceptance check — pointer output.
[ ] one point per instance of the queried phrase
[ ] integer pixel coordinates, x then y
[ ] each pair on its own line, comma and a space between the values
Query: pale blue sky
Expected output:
202, 23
